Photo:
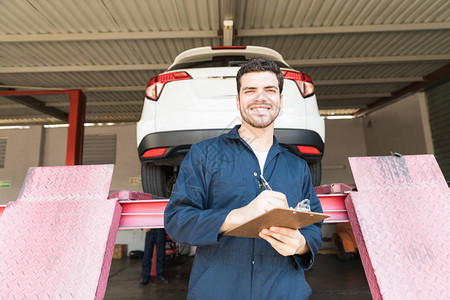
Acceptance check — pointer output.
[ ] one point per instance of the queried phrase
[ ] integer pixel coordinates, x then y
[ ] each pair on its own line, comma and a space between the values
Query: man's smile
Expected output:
260, 108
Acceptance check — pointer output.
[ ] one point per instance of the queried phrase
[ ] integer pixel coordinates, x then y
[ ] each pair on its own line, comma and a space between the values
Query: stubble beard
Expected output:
261, 122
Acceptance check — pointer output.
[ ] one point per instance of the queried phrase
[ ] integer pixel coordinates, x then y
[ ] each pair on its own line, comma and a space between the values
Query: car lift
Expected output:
57, 239
332, 198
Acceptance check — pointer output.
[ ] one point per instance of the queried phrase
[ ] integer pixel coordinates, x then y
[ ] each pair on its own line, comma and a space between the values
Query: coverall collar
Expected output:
275, 149
234, 134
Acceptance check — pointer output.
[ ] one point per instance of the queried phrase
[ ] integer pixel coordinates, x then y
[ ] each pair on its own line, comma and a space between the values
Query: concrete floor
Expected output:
329, 278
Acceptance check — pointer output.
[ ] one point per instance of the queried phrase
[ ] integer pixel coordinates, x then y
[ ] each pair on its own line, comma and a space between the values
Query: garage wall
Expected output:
401, 127
55, 145
127, 167
23, 149
344, 139
398, 128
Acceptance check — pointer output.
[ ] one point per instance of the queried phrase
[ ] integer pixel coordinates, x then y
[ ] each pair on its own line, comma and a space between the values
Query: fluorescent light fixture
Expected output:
85, 125
14, 127
56, 125
339, 117
228, 23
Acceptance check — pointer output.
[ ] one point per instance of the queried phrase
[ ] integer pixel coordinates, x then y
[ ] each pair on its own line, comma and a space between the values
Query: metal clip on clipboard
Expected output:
301, 206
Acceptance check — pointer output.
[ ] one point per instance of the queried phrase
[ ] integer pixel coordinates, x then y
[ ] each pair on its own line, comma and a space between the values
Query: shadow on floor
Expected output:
330, 279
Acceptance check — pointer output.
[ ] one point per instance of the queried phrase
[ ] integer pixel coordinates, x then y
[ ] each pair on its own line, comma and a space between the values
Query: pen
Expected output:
265, 183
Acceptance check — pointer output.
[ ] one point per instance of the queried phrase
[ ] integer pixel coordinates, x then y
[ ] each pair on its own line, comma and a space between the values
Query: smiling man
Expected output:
259, 99
220, 186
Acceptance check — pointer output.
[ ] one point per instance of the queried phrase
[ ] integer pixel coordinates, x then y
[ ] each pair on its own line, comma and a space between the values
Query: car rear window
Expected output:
217, 61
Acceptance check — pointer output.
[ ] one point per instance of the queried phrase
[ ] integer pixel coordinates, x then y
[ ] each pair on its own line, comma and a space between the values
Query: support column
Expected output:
77, 112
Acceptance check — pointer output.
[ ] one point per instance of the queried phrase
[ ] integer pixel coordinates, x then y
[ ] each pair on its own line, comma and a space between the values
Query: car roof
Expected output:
207, 53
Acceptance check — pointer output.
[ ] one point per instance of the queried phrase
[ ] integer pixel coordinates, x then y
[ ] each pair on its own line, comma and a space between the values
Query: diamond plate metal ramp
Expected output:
400, 218
57, 240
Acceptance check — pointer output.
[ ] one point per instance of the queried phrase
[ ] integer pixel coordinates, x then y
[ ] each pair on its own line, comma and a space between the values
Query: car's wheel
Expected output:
340, 252
315, 168
157, 180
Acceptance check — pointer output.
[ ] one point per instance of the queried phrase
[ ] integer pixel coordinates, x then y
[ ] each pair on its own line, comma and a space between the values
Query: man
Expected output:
219, 186
154, 237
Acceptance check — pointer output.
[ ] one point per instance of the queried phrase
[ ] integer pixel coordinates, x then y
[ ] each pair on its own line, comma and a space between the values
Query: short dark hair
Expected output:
259, 64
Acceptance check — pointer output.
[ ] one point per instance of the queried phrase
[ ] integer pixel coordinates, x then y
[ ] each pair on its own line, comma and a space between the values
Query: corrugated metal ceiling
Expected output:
356, 51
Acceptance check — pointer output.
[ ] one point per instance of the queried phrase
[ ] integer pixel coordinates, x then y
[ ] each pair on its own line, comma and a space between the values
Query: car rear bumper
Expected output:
179, 142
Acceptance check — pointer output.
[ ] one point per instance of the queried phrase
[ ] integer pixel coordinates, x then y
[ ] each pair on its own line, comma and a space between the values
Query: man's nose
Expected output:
262, 96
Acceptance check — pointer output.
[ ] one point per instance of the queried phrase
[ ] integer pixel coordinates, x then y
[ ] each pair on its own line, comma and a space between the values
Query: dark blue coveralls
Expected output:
152, 237
217, 176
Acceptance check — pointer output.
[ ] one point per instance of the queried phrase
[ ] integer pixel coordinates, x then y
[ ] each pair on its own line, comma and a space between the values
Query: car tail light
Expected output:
156, 84
154, 152
303, 81
308, 150
228, 47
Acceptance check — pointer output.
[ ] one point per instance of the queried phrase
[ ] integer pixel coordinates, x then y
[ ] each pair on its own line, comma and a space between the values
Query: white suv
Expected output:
195, 99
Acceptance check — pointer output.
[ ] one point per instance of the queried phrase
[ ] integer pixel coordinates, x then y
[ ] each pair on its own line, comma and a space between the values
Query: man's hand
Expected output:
264, 202
285, 240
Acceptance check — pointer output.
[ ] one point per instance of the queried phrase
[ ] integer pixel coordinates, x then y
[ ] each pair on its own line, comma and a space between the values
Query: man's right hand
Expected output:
264, 202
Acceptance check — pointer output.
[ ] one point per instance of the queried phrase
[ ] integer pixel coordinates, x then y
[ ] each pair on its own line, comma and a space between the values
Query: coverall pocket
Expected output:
229, 192
292, 190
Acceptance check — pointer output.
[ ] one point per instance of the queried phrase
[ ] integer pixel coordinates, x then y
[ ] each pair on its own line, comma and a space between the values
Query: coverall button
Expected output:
256, 174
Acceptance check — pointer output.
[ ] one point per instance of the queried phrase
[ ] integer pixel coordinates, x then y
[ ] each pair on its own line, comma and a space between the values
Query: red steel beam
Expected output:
25, 98
138, 214
74, 154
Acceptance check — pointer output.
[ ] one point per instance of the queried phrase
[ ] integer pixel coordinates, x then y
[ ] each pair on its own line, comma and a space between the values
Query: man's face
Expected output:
259, 99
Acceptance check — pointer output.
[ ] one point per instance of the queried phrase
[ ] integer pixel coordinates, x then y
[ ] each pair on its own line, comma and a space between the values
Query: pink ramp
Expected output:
400, 218
57, 239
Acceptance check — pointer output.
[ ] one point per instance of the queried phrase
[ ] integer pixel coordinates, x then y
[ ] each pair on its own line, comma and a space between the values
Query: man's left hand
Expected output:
285, 241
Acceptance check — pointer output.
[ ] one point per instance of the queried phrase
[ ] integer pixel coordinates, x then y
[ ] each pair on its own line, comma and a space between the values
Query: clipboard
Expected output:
281, 217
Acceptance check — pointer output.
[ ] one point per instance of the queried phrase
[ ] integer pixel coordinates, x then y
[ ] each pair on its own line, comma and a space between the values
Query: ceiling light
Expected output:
336, 117
228, 23
14, 127
56, 125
